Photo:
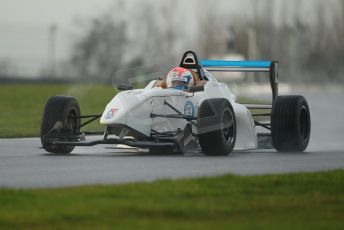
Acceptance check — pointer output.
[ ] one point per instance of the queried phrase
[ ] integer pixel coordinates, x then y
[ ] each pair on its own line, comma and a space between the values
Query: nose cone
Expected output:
123, 103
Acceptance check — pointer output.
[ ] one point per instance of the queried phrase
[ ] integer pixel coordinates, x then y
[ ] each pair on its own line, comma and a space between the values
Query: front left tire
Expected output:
217, 127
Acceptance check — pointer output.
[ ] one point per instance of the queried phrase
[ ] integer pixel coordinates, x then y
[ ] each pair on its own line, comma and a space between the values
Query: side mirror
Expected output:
124, 87
196, 89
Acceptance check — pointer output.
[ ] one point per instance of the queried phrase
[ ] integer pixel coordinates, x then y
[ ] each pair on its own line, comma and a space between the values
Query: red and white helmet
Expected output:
180, 78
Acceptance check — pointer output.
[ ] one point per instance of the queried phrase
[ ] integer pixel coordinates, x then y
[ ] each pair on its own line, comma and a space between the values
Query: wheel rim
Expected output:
228, 127
304, 123
72, 121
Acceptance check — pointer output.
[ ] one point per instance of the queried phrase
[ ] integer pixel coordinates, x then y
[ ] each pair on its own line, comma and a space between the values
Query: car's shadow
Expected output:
134, 152
124, 153
130, 152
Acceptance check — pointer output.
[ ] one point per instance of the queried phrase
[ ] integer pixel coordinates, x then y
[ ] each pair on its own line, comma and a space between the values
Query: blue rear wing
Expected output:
237, 66
270, 67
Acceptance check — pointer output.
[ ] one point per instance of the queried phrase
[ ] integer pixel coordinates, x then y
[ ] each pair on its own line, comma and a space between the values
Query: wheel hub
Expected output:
228, 126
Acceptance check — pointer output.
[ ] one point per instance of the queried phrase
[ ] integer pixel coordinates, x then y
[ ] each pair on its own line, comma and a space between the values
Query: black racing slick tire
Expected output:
290, 124
61, 113
216, 127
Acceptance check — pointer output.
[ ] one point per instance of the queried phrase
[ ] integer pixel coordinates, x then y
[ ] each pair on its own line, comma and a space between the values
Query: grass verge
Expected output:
22, 105
292, 201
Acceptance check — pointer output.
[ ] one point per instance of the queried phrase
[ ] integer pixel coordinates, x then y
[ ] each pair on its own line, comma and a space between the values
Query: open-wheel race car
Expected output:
186, 111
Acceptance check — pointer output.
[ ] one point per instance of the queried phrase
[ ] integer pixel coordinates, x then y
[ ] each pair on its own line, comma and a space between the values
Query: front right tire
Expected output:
60, 112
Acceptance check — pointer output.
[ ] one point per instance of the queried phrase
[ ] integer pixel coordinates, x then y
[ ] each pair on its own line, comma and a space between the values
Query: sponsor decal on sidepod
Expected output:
189, 109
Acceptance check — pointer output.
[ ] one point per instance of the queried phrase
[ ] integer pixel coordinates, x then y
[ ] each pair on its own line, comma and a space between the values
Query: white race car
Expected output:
204, 115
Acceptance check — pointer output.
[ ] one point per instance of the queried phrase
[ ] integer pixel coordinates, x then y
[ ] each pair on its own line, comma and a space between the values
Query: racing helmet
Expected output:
179, 78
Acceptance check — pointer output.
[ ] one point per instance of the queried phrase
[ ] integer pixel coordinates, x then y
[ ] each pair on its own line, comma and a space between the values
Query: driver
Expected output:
180, 78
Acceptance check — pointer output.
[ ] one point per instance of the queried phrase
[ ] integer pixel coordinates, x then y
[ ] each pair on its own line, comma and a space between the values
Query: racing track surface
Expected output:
24, 165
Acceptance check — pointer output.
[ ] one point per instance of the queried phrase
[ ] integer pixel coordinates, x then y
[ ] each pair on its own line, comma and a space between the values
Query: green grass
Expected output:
293, 201
21, 106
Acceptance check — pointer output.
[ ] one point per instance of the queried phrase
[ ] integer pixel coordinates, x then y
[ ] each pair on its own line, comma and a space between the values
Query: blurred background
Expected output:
90, 40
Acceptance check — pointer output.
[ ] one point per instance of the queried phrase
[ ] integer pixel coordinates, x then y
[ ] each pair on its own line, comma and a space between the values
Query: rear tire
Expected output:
290, 124
217, 127
57, 112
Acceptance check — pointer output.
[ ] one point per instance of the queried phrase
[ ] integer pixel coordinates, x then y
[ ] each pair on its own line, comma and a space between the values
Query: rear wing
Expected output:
270, 67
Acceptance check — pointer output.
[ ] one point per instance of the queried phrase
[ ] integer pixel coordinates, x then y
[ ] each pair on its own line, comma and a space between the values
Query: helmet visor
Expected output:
178, 83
